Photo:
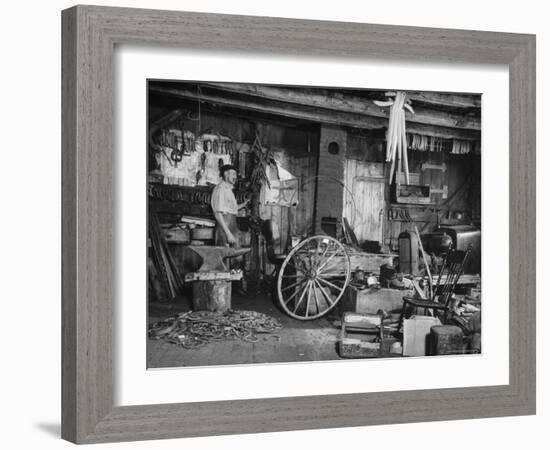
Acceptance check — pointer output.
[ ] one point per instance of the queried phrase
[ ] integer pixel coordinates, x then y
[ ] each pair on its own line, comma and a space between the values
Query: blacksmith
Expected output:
225, 207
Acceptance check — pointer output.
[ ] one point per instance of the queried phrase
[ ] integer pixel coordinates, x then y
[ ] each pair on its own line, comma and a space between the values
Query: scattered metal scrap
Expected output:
195, 329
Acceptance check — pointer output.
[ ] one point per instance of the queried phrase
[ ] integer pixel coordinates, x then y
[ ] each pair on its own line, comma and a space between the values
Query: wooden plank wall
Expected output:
298, 220
460, 169
305, 169
364, 163
236, 128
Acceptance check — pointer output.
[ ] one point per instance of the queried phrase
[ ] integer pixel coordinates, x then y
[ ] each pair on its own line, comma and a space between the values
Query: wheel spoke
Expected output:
290, 286
316, 300
320, 257
295, 267
301, 262
287, 301
320, 269
301, 297
308, 298
329, 300
317, 251
309, 255
305, 263
340, 289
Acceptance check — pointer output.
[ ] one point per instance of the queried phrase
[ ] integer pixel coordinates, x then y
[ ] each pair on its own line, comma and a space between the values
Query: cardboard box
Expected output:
415, 334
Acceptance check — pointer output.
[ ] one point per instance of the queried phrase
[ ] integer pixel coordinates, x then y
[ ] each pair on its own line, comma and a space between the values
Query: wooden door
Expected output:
364, 199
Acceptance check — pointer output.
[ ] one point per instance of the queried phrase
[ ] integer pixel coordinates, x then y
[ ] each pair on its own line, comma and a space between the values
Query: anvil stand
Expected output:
212, 281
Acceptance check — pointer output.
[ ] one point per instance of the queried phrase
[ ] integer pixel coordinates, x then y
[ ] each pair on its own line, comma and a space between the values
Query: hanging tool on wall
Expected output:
263, 157
396, 137
158, 135
178, 151
201, 172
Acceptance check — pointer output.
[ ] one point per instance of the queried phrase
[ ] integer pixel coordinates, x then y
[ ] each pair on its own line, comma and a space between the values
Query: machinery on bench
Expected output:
436, 243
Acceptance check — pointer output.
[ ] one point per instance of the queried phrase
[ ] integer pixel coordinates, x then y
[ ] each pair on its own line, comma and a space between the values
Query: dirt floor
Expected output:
297, 340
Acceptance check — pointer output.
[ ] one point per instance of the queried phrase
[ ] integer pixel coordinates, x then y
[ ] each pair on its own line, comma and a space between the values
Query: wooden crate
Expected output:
370, 301
361, 336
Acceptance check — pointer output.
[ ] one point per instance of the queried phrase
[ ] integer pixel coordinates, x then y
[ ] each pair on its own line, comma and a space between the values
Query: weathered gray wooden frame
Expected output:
89, 36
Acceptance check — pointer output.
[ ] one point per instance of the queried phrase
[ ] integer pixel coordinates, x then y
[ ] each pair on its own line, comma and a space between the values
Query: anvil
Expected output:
212, 257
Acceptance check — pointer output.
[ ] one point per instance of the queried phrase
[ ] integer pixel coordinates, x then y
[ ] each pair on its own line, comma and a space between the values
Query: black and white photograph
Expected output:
299, 223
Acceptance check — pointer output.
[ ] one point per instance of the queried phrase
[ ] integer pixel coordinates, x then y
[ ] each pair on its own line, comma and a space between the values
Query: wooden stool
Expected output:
212, 290
212, 296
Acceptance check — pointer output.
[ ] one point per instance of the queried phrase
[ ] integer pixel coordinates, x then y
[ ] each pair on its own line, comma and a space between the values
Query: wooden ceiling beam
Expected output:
340, 102
319, 115
447, 99
292, 111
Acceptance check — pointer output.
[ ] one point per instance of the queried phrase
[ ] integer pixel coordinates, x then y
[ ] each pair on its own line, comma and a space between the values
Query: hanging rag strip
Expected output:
423, 143
461, 147
396, 136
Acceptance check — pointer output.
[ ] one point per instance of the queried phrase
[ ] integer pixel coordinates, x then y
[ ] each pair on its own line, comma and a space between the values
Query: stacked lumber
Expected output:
165, 278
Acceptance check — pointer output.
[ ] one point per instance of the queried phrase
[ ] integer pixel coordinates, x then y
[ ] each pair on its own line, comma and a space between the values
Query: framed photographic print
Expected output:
311, 224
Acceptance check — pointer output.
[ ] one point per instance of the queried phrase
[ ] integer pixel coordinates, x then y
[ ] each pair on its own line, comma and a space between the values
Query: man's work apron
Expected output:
220, 237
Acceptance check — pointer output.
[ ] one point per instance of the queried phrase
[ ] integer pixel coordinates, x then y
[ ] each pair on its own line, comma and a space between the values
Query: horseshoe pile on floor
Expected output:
195, 329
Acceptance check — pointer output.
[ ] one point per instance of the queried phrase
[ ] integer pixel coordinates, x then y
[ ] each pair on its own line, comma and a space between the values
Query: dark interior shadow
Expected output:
53, 429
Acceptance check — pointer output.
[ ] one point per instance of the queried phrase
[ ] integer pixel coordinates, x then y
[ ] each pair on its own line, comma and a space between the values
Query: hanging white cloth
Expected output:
282, 190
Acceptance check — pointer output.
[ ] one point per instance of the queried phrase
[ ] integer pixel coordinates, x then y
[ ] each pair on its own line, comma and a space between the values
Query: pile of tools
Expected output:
194, 329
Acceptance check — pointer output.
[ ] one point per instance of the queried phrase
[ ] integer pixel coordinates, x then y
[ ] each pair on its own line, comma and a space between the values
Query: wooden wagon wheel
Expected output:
313, 277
